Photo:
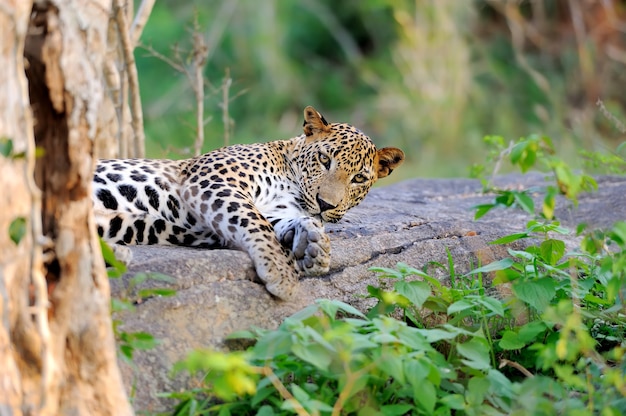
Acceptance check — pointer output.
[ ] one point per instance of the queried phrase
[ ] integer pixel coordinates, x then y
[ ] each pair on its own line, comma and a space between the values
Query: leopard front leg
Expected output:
308, 243
234, 219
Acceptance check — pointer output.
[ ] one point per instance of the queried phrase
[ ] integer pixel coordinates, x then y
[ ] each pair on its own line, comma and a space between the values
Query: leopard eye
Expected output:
359, 178
324, 160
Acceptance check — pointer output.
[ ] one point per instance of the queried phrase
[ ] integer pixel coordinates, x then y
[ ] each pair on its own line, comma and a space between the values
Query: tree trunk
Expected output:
57, 351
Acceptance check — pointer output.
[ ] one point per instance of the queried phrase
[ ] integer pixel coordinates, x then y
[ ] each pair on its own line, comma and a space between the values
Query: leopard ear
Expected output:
314, 122
387, 159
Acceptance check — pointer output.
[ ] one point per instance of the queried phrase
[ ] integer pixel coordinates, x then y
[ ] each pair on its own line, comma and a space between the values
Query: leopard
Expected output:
268, 199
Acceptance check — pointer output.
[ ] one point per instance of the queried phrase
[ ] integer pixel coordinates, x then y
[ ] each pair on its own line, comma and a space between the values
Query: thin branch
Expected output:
200, 55
156, 54
141, 18
282, 390
617, 123
133, 79
517, 366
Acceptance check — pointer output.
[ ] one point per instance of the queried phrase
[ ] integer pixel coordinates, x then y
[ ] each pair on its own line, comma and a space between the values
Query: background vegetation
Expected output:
430, 76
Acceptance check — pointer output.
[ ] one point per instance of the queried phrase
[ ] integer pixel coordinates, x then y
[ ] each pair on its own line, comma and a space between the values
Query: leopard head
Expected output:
337, 164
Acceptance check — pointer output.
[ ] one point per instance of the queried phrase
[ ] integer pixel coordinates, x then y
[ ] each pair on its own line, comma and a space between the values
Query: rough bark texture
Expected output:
15, 259
414, 222
57, 352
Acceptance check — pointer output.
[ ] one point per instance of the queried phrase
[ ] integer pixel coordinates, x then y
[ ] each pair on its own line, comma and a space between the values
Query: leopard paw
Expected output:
311, 248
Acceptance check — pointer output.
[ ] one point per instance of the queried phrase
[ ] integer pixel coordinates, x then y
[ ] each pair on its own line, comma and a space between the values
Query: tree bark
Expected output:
57, 350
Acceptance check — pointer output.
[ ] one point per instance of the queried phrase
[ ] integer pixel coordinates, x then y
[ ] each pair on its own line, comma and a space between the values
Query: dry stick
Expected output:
517, 366
133, 80
141, 18
617, 123
200, 55
344, 395
278, 385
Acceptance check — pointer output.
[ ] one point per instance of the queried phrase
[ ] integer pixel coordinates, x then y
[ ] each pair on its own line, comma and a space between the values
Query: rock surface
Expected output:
413, 222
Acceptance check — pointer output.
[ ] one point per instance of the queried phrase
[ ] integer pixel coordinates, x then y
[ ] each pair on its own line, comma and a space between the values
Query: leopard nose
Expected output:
324, 206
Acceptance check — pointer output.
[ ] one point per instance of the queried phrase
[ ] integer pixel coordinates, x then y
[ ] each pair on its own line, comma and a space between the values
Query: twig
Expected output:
200, 55
141, 18
498, 164
517, 366
153, 52
133, 79
606, 113
282, 390
347, 389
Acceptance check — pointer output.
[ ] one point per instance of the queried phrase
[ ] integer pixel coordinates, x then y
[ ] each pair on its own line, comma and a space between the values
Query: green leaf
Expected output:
416, 371
549, 202
491, 304
453, 401
140, 340
416, 291
243, 334
524, 153
525, 202
314, 354
511, 341
330, 307
552, 250
459, 306
537, 293
6, 146
413, 339
426, 396
118, 305
272, 344
500, 384
477, 388
527, 333
476, 352
481, 210
117, 268
265, 410
509, 238
396, 409
491, 267
17, 229
147, 293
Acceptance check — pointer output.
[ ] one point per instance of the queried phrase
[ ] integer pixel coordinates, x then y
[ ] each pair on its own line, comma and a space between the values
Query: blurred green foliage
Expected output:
430, 76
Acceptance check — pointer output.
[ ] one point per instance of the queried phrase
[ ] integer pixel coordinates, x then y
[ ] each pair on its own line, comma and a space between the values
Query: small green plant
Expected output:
532, 152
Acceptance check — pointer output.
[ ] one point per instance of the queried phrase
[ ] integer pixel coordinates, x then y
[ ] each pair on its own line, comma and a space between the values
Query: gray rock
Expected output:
414, 222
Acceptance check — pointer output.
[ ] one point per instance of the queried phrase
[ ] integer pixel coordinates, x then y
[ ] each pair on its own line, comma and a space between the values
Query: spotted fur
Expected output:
269, 199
